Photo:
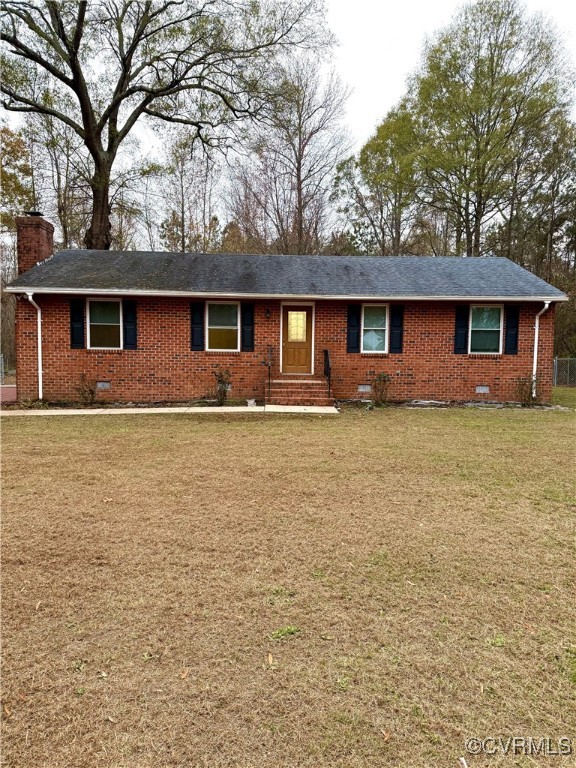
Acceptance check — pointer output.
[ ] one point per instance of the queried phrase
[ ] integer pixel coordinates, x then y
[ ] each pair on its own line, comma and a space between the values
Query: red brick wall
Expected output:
35, 241
427, 368
164, 368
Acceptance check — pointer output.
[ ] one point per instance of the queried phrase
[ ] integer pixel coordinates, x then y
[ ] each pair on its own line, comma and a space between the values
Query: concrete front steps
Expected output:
291, 391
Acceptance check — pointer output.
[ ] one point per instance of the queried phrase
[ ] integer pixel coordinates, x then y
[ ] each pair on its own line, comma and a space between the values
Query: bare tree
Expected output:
189, 188
151, 201
61, 172
201, 63
281, 192
250, 229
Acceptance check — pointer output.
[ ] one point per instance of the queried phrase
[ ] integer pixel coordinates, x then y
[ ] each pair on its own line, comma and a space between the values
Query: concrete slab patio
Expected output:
260, 409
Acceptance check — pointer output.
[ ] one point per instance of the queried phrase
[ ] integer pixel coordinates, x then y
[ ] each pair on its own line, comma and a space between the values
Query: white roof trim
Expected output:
279, 296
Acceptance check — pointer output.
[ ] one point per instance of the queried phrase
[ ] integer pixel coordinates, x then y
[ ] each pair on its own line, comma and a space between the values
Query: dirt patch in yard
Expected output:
363, 591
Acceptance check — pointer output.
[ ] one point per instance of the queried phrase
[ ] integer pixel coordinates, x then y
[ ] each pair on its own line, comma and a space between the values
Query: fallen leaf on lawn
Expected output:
270, 659
110, 719
184, 673
7, 710
385, 735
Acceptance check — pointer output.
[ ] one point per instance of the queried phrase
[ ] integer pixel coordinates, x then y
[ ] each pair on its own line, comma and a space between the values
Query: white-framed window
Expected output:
104, 324
222, 326
486, 324
374, 335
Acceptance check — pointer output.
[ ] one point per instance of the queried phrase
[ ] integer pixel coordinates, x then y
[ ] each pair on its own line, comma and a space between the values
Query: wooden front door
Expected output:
296, 339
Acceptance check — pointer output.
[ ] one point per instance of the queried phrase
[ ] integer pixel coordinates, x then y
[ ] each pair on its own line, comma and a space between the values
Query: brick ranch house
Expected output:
142, 326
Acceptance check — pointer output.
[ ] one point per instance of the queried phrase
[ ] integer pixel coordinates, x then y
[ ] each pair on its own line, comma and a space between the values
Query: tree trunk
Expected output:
459, 233
99, 234
550, 233
510, 222
182, 214
397, 236
299, 210
468, 227
478, 214
446, 236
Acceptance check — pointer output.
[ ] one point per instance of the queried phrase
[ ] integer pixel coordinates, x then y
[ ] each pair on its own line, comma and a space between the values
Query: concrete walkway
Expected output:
261, 409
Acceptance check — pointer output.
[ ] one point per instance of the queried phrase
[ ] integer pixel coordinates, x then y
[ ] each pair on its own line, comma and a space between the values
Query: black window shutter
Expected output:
77, 320
353, 335
511, 324
197, 326
461, 329
396, 327
129, 322
247, 341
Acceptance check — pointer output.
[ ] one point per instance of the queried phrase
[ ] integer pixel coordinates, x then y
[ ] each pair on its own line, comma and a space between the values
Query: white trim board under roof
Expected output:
13, 288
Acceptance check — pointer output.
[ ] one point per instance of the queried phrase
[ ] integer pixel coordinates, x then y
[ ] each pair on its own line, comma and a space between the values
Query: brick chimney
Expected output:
34, 240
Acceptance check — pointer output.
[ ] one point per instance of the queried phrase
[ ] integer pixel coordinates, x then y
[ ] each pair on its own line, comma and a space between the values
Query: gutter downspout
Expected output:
535, 361
39, 336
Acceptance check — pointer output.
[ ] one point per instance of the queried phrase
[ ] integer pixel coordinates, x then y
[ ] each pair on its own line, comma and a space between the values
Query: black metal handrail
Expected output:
328, 369
268, 364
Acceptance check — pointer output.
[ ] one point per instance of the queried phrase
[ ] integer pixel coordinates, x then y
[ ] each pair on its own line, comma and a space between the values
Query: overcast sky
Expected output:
381, 43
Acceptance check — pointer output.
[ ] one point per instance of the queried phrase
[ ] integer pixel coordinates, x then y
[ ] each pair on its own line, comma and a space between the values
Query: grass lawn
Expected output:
276, 592
564, 396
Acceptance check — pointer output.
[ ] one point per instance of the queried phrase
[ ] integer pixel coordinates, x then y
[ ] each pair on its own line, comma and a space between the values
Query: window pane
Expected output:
296, 325
374, 317
486, 318
374, 341
105, 312
222, 314
485, 341
105, 336
222, 338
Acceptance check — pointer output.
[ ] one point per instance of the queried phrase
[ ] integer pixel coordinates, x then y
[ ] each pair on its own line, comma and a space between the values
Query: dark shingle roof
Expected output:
283, 276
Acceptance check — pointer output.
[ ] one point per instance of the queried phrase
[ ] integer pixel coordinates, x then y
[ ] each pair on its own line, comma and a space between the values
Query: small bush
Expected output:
223, 379
524, 391
27, 403
86, 390
380, 384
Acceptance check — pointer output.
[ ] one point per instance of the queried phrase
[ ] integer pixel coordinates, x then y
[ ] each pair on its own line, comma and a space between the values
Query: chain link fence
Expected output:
565, 371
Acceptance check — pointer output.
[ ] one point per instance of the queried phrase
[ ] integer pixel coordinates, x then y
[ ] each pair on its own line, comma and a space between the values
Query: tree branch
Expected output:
29, 105
28, 53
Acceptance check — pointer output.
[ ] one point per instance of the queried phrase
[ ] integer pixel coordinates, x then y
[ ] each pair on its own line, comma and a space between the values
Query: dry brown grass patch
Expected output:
425, 558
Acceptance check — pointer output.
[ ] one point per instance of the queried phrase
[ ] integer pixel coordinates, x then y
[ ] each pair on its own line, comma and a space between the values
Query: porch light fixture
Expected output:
268, 313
